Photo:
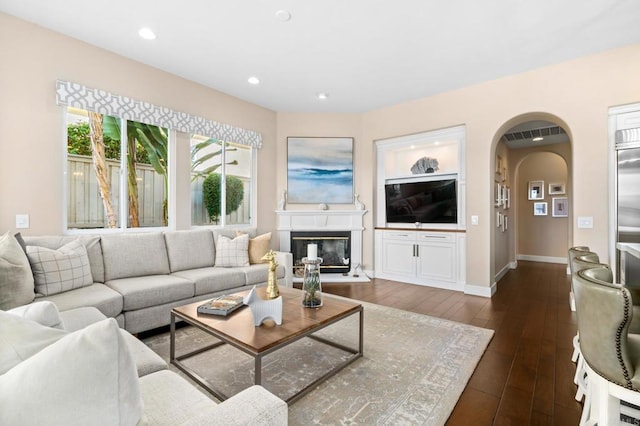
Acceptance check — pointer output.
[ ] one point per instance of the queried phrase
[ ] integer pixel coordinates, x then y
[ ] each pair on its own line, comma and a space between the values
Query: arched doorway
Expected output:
531, 151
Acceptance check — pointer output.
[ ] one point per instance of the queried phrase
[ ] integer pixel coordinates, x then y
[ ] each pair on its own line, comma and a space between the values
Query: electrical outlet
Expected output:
585, 221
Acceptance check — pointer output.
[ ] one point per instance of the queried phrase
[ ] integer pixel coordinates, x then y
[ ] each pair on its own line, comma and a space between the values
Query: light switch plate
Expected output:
22, 221
585, 221
474, 219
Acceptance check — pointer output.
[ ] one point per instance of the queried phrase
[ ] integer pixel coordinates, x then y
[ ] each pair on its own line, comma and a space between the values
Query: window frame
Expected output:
253, 198
122, 182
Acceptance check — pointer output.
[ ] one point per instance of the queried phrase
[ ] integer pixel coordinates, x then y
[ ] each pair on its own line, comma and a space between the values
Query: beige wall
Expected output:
578, 92
540, 236
31, 124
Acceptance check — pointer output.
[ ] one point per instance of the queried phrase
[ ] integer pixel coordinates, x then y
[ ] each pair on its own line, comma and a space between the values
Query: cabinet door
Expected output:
437, 261
398, 257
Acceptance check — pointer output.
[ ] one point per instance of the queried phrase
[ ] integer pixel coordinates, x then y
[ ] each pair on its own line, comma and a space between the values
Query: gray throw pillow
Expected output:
16, 278
64, 269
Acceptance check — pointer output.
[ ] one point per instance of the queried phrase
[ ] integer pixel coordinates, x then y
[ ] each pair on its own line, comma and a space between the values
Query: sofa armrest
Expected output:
286, 260
254, 406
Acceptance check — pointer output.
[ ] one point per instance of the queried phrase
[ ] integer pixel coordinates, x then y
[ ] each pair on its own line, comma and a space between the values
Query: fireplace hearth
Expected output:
334, 247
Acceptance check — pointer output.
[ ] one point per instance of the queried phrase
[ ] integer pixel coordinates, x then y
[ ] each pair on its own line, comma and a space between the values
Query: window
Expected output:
108, 180
221, 181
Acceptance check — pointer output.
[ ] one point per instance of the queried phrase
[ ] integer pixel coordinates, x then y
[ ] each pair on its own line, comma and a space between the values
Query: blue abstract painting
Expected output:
320, 170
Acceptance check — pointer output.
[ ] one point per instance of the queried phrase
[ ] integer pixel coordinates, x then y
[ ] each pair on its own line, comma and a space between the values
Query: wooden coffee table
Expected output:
238, 330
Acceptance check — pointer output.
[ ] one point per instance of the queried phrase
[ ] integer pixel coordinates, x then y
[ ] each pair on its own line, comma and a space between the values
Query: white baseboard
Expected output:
476, 290
543, 259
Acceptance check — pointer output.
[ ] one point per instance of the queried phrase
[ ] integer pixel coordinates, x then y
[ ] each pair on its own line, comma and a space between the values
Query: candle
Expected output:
312, 251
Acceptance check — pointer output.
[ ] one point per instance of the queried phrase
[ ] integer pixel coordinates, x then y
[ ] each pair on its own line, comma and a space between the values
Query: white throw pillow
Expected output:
86, 378
64, 269
22, 338
44, 313
231, 253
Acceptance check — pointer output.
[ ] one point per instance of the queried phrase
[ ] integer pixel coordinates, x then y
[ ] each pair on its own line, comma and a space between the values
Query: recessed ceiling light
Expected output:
283, 15
538, 139
146, 33
253, 80
322, 96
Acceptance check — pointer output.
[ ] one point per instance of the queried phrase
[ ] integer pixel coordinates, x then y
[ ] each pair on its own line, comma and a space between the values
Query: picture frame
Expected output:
557, 189
540, 209
498, 194
498, 219
559, 207
320, 170
498, 167
508, 201
535, 190
505, 197
505, 223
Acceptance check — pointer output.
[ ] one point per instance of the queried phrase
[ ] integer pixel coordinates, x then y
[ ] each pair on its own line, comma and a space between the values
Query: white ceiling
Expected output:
365, 54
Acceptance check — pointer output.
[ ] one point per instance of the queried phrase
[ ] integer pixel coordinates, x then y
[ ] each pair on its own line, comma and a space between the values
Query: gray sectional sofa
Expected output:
138, 277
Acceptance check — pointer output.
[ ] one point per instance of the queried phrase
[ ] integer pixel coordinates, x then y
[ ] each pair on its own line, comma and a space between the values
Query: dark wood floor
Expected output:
526, 374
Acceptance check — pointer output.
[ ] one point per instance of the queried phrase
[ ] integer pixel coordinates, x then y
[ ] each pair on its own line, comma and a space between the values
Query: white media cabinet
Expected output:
426, 254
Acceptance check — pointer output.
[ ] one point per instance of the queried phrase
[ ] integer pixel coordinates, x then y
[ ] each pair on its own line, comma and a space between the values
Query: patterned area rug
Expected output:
413, 371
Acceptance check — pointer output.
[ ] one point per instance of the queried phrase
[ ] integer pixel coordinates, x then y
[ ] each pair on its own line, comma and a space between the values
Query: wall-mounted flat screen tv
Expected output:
432, 201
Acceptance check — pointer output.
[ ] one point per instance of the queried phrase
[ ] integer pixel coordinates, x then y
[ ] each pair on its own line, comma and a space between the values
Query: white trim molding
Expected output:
482, 291
542, 259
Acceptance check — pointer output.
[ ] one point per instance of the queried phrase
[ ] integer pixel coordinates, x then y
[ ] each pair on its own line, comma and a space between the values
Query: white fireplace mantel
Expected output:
325, 220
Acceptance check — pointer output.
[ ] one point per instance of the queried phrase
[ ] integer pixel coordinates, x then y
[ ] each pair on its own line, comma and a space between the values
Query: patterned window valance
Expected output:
79, 96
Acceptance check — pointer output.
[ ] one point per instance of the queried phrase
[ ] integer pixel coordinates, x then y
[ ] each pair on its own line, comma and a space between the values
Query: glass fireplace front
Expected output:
334, 247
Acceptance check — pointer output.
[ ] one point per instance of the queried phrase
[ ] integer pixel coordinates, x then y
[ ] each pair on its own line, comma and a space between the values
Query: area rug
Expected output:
413, 371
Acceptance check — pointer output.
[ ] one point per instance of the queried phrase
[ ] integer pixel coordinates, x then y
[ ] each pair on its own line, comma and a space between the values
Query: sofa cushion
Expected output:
211, 280
21, 338
16, 278
146, 360
190, 249
232, 253
91, 243
78, 318
151, 290
107, 300
44, 313
87, 377
64, 269
134, 255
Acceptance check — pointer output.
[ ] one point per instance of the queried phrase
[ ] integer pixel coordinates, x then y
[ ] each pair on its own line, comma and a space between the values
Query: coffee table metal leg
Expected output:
172, 339
361, 352
258, 370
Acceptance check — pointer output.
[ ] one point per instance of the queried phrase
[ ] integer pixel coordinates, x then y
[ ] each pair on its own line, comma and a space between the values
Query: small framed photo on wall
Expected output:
536, 190
540, 209
559, 207
556, 189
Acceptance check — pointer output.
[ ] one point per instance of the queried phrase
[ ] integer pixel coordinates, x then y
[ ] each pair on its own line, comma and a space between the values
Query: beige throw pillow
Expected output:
231, 253
16, 279
64, 269
258, 247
